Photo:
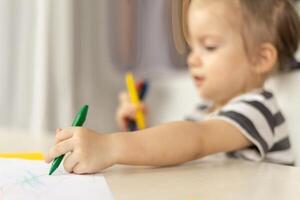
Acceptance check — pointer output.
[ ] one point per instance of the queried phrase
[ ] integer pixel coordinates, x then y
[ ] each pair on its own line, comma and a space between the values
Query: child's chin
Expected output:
201, 94
205, 95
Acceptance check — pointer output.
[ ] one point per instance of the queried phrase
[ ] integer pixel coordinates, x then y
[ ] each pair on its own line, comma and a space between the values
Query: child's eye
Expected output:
211, 48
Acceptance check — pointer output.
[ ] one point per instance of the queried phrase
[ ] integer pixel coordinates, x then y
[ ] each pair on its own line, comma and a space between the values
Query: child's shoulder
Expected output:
260, 95
259, 118
261, 99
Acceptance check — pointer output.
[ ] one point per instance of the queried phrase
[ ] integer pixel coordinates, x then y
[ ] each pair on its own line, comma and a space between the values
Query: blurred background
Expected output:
56, 55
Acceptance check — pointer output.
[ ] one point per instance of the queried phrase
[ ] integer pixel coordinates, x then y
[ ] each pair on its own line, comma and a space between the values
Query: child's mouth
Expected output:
198, 80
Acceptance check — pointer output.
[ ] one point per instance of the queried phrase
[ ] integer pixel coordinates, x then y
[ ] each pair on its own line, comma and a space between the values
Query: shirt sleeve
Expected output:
254, 117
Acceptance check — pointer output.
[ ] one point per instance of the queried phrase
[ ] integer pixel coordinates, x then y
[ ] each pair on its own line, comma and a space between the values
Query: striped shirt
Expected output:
257, 116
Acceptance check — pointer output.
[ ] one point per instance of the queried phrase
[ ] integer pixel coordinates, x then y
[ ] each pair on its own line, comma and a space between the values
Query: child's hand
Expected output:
86, 151
127, 111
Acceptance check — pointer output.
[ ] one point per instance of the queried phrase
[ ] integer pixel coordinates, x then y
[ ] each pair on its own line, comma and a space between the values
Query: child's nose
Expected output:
194, 60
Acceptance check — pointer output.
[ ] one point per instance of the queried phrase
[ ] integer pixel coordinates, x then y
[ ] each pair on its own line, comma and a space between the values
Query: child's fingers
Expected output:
124, 97
125, 100
62, 135
122, 124
143, 108
59, 149
79, 169
70, 162
130, 111
126, 112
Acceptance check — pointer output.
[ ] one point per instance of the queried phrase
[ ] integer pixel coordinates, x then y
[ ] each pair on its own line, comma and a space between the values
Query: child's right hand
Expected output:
85, 150
127, 110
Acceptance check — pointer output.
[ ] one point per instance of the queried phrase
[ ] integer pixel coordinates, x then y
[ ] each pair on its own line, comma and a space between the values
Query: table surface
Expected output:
209, 178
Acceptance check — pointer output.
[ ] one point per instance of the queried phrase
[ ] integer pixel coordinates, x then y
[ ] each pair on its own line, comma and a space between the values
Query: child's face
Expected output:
217, 62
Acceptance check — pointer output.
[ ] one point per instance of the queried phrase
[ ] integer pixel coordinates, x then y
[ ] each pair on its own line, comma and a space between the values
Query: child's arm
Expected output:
168, 144
178, 142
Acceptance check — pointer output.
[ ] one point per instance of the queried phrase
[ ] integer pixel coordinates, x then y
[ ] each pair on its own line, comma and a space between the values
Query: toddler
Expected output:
235, 46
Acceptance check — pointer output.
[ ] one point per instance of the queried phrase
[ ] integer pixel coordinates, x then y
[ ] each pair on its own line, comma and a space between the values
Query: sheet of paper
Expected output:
29, 180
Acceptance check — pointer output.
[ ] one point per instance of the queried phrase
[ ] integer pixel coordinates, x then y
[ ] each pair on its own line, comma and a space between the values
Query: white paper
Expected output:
29, 180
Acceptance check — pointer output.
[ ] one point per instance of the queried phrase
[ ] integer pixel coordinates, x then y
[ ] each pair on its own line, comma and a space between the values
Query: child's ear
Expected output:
267, 58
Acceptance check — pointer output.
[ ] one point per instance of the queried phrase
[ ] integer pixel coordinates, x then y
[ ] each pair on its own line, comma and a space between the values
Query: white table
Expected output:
208, 179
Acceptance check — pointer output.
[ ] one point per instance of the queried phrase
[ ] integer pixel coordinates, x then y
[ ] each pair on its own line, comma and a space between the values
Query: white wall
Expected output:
171, 98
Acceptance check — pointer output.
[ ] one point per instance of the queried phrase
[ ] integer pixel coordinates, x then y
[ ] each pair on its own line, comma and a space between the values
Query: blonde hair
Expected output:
273, 21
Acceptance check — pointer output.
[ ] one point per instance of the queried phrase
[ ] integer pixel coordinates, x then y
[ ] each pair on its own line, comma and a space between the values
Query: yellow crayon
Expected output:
23, 155
134, 98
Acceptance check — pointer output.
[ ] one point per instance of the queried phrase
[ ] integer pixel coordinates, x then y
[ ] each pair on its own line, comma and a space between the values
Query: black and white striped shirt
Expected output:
257, 116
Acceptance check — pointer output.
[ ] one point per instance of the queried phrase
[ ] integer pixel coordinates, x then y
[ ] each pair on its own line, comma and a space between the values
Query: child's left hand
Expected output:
86, 151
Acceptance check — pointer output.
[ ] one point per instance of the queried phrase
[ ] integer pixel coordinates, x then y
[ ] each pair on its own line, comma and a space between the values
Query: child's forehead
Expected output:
213, 17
